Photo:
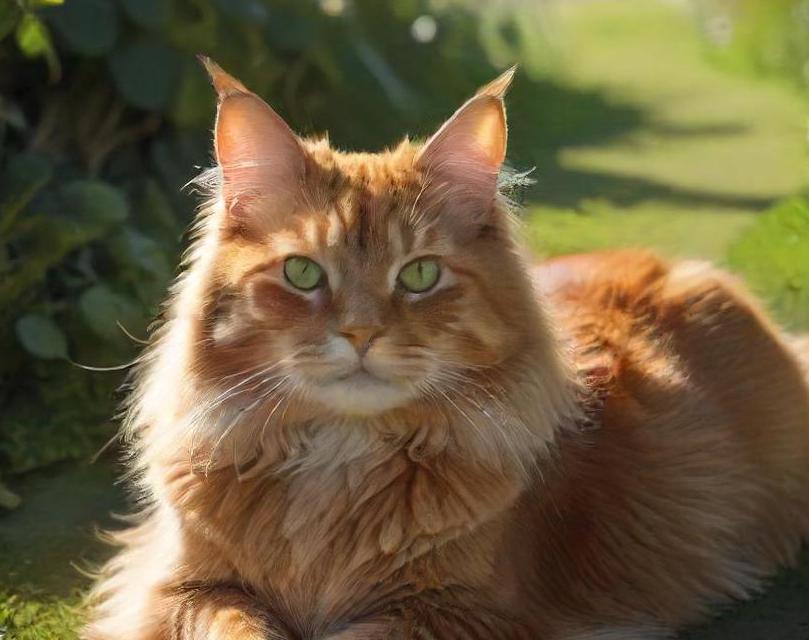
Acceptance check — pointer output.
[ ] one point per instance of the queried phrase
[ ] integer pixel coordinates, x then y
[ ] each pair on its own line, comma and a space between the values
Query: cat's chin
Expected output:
360, 394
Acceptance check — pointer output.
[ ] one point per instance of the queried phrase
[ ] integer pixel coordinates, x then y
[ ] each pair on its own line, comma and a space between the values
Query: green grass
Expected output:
27, 617
691, 234
648, 145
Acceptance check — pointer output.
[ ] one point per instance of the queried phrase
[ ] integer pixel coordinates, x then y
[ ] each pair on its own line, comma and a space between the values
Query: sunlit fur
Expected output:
598, 447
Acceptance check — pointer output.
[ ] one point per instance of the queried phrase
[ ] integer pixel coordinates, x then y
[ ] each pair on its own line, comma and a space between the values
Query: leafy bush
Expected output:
773, 256
104, 113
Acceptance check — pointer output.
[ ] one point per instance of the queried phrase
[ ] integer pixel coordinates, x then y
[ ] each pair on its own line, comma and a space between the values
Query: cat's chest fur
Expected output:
330, 540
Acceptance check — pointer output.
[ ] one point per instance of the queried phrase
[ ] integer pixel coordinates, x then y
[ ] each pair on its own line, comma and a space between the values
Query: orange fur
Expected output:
599, 447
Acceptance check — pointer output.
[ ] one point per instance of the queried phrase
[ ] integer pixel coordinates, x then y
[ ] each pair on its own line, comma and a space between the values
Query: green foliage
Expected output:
40, 336
773, 257
146, 73
86, 27
104, 116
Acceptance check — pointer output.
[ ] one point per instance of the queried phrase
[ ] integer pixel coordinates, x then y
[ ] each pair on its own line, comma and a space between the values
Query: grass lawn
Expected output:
657, 149
680, 155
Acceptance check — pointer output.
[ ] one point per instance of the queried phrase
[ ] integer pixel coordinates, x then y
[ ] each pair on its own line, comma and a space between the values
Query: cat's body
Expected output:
602, 452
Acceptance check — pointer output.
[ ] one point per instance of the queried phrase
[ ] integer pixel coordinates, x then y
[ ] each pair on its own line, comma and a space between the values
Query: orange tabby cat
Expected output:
364, 417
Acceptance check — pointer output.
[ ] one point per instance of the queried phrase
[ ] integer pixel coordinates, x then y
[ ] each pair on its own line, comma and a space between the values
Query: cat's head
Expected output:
361, 282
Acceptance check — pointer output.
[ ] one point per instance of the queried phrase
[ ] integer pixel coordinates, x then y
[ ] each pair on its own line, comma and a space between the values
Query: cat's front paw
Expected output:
236, 624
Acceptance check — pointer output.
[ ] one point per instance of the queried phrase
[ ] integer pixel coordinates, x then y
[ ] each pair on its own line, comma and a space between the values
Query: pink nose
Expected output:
360, 336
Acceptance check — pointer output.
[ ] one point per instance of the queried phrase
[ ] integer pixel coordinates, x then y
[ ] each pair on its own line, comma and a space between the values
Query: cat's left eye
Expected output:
420, 276
303, 273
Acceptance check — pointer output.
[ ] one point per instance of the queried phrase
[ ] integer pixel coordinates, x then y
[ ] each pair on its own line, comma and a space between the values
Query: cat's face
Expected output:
361, 282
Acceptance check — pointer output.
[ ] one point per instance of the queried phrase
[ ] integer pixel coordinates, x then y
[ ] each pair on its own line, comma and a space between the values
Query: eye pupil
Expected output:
303, 273
420, 275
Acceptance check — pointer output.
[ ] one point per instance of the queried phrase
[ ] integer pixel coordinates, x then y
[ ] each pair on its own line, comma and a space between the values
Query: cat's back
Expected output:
685, 324
694, 476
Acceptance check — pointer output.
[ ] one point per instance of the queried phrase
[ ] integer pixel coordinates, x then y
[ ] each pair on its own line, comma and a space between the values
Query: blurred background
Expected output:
676, 125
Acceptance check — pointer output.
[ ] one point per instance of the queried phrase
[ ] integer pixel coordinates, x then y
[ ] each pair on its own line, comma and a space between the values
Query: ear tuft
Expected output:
498, 87
224, 83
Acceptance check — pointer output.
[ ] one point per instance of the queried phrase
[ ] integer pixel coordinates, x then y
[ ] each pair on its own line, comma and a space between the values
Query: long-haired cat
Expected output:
366, 416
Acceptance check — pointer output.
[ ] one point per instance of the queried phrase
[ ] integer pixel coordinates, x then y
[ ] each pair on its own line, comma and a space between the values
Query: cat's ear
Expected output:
465, 155
259, 155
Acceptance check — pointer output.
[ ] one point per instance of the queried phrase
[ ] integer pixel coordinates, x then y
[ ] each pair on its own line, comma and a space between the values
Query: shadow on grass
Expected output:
50, 543
546, 118
567, 188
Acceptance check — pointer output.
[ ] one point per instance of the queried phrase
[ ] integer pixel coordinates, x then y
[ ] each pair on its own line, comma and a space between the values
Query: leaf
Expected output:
132, 248
32, 36
102, 309
146, 73
150, 14
34, 41
141, 263
88, 27
94, 202
40, 336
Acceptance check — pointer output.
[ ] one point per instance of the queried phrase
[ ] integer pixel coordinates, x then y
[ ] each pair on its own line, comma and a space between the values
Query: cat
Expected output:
367, 414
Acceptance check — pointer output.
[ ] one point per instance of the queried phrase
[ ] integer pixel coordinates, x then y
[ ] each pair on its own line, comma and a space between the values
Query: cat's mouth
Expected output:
361, 378
359, 374
360, 391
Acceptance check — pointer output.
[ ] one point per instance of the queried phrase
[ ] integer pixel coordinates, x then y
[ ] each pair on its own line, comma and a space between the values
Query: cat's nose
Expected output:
360, 336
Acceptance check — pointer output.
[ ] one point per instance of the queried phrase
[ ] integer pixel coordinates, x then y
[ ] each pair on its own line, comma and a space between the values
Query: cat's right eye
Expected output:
421, 275
303, 273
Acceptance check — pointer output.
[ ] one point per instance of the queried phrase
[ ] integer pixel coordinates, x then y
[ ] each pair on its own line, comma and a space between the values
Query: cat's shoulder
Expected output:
642, 318
570, 276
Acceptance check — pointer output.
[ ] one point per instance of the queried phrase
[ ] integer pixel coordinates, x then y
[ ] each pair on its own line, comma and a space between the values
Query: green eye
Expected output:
420, 275
303, 273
